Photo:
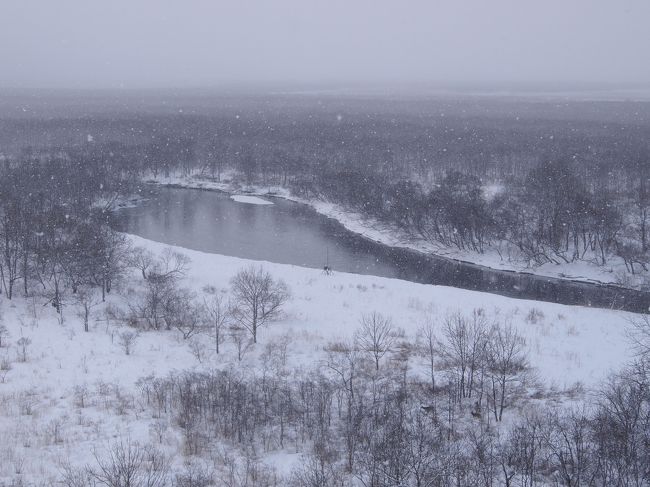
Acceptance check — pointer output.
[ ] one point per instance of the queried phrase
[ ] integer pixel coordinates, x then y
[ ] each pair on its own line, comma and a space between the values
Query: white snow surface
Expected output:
570, 344
251, 200
567, 344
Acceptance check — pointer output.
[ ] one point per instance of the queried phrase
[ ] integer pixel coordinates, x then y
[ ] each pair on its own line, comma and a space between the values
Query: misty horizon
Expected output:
163, 45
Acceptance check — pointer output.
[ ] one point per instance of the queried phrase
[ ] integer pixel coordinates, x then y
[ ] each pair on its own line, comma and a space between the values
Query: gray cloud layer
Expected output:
167, 43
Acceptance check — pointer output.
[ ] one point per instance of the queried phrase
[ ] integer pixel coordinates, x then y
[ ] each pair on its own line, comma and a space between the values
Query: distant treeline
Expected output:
538, 182
54, 232
412, 139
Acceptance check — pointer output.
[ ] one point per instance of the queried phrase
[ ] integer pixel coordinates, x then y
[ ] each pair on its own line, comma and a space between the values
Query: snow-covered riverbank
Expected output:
583, 271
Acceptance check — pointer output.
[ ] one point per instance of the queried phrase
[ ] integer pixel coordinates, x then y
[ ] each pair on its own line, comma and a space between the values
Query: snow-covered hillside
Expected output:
72, 392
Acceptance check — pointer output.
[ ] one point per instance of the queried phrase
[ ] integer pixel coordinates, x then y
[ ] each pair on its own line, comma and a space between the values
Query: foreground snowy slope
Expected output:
74, 391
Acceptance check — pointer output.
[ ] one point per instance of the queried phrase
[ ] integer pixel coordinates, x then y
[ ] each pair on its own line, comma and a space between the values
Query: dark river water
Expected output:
291, 233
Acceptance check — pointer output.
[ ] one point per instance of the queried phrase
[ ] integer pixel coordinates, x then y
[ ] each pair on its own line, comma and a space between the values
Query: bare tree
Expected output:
141, 259
216, 313
639, 335
111, 249
343, 361
429, 348
507, 365
257, 298
423, 451
160, 300
182, 313
87, 300
171, 265
567, 438
621, 427
239, 336
464, 348
375, 336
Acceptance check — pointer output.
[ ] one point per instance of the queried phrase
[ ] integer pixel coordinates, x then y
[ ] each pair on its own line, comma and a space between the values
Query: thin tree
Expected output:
429, 349
216, 312
87, 300
506, 365
239, 336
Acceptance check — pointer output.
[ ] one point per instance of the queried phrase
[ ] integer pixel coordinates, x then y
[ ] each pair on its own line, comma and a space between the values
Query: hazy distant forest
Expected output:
555, 181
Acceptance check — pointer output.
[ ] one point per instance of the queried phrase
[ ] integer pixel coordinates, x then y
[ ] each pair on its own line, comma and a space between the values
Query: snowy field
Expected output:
74, 391
613, 273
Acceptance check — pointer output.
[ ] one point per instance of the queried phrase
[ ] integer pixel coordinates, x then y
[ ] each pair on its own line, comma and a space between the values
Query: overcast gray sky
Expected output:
201, 43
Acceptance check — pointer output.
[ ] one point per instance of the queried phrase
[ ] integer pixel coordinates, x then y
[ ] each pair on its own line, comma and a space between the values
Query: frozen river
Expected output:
290, 233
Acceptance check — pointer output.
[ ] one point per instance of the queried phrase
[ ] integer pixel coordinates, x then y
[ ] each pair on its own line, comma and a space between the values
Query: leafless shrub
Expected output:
55, 430
23, 344
5, 367
4, 335
81, 394
123, 401
276, 352
163, 303
18, 463
104, 391
534, 316
336, 347
127, 340
129, 464
27, 400
171, 264
71, 476
198, 349
195, 474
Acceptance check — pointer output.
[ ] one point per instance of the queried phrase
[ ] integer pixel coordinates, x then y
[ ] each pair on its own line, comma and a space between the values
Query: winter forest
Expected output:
239, 267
